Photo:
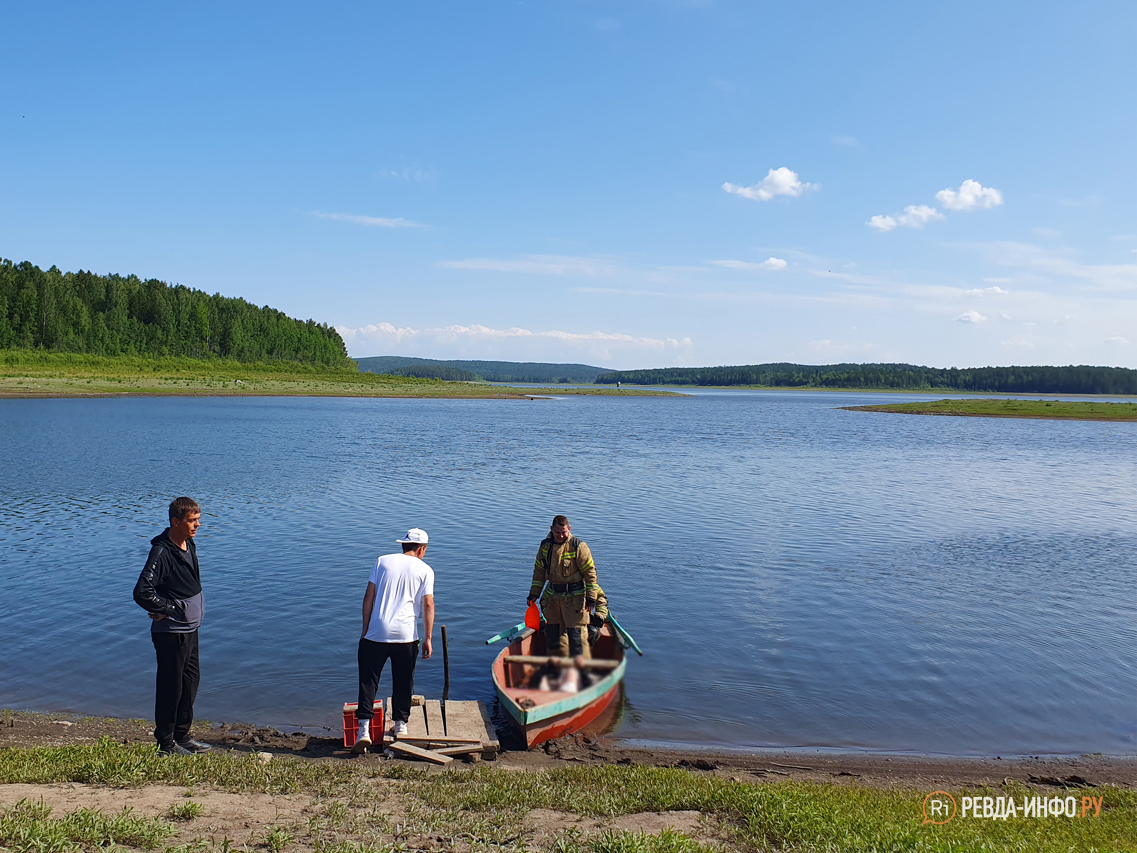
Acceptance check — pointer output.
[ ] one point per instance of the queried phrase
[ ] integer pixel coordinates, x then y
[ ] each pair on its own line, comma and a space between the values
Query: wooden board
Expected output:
416, 724
442, 740
433, 712
490, 734
463, 720
562, 663
459, 750
417, 752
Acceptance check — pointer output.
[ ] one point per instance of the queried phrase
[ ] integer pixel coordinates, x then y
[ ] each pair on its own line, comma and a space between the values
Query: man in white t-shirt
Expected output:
399, 591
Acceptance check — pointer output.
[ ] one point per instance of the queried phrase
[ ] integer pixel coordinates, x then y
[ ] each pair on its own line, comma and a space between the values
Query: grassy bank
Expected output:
370, 806
25, 373
989, 408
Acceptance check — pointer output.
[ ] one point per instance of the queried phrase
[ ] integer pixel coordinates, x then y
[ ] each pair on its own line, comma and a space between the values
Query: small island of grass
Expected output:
46, 374
1081, 410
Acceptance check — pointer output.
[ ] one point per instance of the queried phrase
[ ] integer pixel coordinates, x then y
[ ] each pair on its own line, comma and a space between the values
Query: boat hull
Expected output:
541, 716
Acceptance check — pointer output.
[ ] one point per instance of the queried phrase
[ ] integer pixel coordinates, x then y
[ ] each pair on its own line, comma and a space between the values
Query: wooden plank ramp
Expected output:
437, 731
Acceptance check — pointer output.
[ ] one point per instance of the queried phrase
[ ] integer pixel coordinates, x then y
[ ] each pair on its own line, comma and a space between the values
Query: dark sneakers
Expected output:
194, 746
173, 749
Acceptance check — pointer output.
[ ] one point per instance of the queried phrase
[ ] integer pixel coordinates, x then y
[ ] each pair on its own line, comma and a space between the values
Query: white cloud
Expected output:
1018, 343
422, 176
514, 343
914, 216
918, 215
971, 317
536, 265
1042, 262
971, 195
373, 221
768, 264
986, 291
777, 182
1117, 339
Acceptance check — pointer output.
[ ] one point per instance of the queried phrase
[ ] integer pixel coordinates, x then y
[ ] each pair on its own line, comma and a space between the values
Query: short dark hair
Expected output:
411, 546
560, 520
181, 507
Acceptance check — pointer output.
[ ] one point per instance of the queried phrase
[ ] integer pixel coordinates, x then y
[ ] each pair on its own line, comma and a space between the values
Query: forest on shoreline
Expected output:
1080, 379
113, 315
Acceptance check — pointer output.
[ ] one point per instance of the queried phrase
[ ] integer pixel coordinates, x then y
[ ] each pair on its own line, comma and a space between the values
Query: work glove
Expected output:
595, 623
590, 603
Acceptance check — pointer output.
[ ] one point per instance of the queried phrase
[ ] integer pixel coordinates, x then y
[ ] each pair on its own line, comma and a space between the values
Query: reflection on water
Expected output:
797, 575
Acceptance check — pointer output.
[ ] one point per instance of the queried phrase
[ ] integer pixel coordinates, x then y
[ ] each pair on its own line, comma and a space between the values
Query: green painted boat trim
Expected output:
572, 703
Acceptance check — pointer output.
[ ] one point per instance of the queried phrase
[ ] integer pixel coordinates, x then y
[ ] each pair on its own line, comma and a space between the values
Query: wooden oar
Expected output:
506, 635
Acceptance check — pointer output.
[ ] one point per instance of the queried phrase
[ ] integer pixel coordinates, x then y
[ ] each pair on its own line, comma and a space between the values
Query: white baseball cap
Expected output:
415, 536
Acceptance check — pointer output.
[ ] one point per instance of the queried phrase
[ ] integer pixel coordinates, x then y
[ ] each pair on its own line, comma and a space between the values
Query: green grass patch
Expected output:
117, 766
42, 373
490, 805
1081, 410
29, 828
787, 815
184, 811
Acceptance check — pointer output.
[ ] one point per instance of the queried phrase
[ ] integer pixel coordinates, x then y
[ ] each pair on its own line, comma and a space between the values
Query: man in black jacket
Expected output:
169, 589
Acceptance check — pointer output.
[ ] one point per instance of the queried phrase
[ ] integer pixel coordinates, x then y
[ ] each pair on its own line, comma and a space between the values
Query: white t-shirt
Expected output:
401, 580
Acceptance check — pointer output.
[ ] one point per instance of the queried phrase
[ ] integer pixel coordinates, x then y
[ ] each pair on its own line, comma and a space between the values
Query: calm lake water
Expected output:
798, 576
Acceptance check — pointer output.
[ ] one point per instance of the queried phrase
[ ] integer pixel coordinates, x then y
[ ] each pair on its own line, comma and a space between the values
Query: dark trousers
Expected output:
372, 657
553, 639
178, 677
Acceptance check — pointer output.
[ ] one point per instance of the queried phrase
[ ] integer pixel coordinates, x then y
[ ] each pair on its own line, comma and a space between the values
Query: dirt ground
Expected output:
23, 729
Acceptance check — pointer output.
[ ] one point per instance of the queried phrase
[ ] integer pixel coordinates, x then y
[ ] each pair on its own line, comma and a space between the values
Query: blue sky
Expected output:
630, 184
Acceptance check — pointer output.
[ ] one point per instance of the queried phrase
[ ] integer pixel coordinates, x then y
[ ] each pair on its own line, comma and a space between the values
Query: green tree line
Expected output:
1080, 379
490, 371
110, 315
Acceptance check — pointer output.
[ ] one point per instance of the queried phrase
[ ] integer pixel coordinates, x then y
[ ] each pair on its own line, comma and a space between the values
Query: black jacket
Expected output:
170, 574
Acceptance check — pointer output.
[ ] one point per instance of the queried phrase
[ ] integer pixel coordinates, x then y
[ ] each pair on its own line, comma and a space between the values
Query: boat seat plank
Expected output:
540, 660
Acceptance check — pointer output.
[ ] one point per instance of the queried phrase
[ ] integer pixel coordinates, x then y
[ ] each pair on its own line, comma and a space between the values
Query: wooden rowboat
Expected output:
543, 715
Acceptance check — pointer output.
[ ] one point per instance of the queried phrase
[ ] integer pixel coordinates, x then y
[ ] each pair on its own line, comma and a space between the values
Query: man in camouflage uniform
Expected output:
565, 563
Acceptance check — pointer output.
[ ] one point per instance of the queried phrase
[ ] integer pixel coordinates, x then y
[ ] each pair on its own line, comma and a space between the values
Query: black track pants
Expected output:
372, 657
176, 688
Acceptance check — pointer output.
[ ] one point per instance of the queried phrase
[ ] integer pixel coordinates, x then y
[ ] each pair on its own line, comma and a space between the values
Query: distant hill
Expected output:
115, 315
489, 371
1080, 379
